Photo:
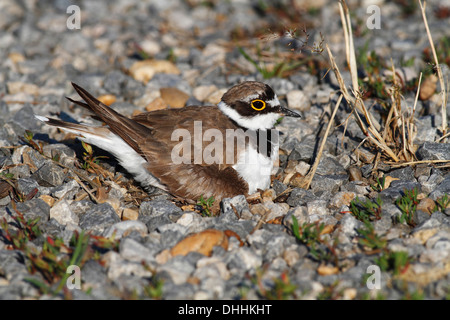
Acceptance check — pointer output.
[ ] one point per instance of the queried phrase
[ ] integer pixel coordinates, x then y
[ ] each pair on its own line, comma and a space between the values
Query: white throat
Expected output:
260, 121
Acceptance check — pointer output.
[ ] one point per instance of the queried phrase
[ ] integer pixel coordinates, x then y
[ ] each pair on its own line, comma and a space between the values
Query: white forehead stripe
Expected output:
274, 102
250, 98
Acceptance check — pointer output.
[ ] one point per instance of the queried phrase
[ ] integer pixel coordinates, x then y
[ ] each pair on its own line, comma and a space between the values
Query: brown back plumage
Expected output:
150, 135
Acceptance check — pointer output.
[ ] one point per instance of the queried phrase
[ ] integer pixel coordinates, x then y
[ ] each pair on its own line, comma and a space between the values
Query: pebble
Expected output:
123, 228
145, 70
174, 97
297, 100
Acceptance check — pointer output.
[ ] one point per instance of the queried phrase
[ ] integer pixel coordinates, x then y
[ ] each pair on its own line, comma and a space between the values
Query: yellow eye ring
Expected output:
260, 108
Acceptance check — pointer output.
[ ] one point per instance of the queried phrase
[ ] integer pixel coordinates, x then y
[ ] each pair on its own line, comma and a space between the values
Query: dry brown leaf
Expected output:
327, 229
202, 242
388, 180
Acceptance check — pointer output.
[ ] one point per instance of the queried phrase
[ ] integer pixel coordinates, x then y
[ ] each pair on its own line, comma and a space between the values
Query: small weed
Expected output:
415, 295
378, 296
373, 66
6, 176
171, 56
309, 234
88, 156
282, 288
154, 289
28, 139
408, 205
442, 203
398, 261
369, 238
205, 205
55, 257
269, 72
408, 7
27, 230
366, 211
331, 292
442, 53
379, 186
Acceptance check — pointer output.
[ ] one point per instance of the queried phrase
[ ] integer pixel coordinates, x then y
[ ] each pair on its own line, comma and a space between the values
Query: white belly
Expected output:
255, 169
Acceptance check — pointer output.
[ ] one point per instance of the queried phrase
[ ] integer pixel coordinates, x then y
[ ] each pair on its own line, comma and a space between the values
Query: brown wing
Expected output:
194, 177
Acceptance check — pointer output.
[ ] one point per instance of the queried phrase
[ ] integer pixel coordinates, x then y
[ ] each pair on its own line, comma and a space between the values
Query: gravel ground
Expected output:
145, 55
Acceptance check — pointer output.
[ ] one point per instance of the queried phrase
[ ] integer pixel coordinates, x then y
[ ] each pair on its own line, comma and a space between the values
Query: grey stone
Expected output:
239, 203
26, 185
278, 186
67, 190
299, 197
178, 292
52, 227
122, 228
304, 151
429, 184
434, 151
25, 120
420, 217
404, 174
32, 209
178, 268
132, 250
154, 223
330, 183
99, 218
349, 225
384, 224
330, 166
81, 207
62, 213
171, 234
50, 175
397, 188
157, 207
300, 213
358, 187
60, 152
276, 246
366, 170
442, 189
94, 273
20, 171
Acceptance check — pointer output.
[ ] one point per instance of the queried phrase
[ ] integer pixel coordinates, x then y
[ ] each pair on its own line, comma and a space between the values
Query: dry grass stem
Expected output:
371, 132
308, 178
413, 163
444, 94
94, 198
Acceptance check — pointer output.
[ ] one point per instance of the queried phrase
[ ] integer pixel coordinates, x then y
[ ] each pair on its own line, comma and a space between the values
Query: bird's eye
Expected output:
258, 105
